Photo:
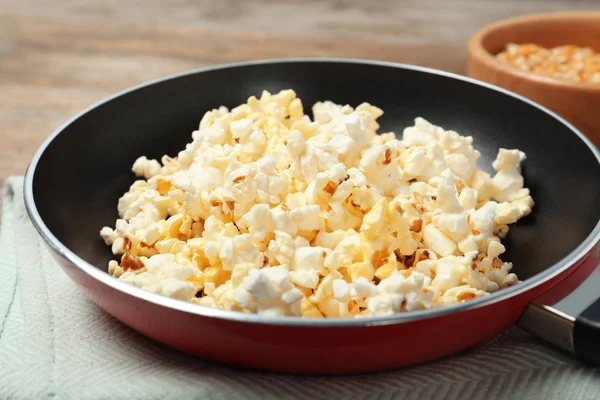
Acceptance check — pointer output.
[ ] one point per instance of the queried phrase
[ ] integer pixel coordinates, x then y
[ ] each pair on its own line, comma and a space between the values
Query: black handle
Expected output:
568, 315
586, 333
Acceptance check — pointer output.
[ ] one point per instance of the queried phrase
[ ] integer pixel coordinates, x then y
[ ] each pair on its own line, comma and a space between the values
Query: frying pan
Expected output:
73, 183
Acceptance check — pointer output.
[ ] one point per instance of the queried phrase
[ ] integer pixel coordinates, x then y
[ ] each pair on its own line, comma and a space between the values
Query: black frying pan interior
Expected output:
87, 166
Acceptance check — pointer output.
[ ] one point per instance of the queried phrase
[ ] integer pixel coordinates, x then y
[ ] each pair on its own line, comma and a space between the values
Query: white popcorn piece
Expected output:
238, 250
446, 197
241, 128
108, 235
460, 166
495, 249
396, 294
308, 278
307, 218
454, 226
449, 273
146, 168
259, 221
309, 258
468, 198
296, 144
341, 290
435, 240
268, 289
177, 289
482, 219
361, 287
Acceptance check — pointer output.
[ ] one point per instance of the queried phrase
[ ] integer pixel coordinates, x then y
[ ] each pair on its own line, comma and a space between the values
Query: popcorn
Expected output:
309, 258
380, 167
435, 240
108, 235
460, 166
238, 250
449, 273
446, 194
460, 294
163, 276
341, 290
259, 221
363, 269
146, 168
308, 278
269, 291
296, 145
307, 218
482, 219
241, 129
267, 211
397, 293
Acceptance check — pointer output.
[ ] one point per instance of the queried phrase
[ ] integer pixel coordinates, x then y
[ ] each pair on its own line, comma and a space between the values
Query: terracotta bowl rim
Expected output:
478, 52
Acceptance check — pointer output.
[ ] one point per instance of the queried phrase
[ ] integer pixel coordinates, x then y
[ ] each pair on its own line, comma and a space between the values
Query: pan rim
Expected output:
578, 254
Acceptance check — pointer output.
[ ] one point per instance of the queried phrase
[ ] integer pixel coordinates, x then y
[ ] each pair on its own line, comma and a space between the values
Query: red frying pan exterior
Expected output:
312, 349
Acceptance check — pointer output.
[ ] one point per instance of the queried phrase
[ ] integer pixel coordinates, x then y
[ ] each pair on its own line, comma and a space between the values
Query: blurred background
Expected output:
59, 57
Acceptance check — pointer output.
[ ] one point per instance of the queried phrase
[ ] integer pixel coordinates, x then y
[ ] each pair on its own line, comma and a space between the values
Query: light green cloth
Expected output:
56, 344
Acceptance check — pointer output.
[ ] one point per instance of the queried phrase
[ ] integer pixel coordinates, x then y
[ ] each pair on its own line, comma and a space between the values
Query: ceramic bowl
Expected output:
577, 102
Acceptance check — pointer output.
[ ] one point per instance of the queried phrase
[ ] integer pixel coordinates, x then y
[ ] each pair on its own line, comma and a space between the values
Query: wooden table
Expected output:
59, 57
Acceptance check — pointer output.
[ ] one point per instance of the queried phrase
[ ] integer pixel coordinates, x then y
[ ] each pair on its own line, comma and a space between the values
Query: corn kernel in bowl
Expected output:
570, 63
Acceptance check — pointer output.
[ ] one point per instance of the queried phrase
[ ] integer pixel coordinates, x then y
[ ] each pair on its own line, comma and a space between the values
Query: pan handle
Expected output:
568, 315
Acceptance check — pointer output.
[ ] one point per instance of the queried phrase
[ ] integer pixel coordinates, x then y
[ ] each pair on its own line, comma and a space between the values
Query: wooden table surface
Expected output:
59, 57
